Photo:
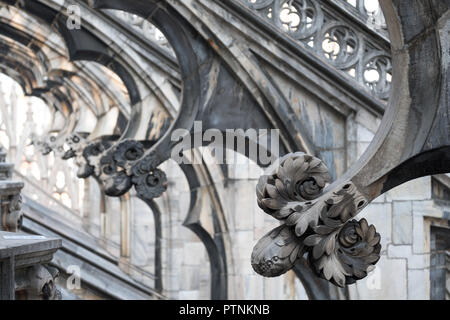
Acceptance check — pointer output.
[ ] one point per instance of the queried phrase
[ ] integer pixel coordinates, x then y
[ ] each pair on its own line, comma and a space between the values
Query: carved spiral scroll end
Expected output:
298, 179
339, 250
276, 252
151, 184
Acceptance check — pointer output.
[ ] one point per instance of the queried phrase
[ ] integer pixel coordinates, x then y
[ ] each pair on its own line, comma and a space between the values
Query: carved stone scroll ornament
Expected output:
75, 143
87, 158
149, 181
109, 164
118, 176
413, 141
339, 249
14, 215
37, 283
42, 145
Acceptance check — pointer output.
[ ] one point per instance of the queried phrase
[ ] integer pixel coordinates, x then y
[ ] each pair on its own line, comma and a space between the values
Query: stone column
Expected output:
125, 232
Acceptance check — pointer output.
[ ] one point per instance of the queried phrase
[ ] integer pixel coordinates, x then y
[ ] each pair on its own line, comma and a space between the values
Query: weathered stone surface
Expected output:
417, 189
387, 282
22, 258
418, 286
402, 222
419, 243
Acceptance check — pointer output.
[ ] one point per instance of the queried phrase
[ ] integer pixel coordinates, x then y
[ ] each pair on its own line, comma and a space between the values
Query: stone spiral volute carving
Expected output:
277, 252
149, 181
318, 224
125, 165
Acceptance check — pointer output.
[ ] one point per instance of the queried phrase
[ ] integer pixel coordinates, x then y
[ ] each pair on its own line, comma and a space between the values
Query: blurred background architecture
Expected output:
90, 95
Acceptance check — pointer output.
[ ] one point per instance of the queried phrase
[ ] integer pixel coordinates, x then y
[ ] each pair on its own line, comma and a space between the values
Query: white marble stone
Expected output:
417, 284
361, 147
253, 287
379, 214
300, 292
367, 120
415, 261
275, 290
402, 224
190, 278
363, 134
245, 205
236, 287
192, 252
188, 295
243, 243
387, 282
380, 199
427, 208
419, 244
418, 261
399, 251
417, 189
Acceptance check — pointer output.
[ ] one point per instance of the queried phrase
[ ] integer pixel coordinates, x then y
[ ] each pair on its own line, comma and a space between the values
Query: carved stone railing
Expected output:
368, 11
343, 44
144, 28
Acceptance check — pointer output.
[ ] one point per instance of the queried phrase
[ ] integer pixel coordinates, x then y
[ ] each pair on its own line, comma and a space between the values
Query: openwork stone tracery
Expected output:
313, 25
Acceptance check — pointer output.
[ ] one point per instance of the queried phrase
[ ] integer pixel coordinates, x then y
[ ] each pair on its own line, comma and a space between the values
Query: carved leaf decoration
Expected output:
339, 250
299, 178
276, 252
304, 217
345, 254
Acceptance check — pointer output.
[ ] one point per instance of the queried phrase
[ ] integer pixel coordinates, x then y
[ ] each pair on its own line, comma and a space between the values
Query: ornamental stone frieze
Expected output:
117, 176
107, 160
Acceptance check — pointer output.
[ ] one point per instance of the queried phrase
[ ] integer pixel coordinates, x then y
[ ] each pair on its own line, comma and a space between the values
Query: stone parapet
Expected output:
23, 271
